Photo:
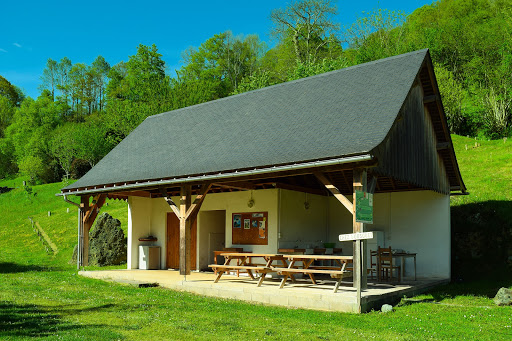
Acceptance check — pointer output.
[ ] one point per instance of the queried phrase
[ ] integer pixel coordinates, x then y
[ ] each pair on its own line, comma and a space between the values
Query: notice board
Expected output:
250, 228
364, 207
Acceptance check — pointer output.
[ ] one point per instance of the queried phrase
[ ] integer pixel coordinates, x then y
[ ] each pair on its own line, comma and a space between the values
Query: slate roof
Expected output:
339, 113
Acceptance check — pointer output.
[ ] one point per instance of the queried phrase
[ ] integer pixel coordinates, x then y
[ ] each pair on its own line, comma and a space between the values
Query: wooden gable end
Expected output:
409, 152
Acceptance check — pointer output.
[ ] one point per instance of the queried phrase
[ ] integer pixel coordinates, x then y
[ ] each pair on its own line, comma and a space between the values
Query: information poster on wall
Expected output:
250, 228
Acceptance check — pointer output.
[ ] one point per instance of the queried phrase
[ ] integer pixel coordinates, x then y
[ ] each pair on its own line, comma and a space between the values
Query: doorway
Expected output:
173, 242
212, 236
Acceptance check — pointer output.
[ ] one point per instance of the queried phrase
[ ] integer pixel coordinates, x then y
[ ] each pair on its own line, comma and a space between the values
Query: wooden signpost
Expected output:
357, 237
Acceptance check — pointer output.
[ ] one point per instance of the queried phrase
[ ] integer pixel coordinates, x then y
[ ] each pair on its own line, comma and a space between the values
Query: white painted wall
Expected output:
139, 221
235, 202
417, 221
302, 227
420, 222
340, 222
150, 216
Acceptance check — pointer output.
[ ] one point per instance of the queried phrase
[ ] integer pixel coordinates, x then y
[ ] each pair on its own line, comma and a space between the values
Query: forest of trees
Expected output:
83, 111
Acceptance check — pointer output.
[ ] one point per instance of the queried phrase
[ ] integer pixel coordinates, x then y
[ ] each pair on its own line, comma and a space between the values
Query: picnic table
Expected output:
244, 262
310, 270
220, 252
403, 256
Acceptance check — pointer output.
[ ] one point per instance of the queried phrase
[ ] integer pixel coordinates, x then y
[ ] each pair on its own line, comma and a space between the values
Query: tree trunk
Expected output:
296, 45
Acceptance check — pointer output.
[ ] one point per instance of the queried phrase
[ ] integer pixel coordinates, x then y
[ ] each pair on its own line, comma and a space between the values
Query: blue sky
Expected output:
33, 31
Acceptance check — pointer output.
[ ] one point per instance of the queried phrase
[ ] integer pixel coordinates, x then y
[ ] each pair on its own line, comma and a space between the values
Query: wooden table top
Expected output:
248, 254
318, 257
315, 250
291, 250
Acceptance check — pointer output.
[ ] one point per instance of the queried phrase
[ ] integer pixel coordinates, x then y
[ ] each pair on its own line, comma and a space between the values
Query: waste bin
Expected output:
149, 257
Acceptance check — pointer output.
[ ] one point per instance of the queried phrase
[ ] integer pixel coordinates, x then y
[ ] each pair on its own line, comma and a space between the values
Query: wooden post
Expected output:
187, 214
87, 216
84, 207
79, 253
185, 202
360, 266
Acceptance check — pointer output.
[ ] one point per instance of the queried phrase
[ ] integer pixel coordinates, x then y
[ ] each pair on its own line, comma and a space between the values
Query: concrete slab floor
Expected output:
302, 294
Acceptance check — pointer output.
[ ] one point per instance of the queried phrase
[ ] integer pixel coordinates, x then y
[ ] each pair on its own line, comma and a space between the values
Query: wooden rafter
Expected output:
241, 185
145, 194
171, 203
443, 145
92, 211
196, 205
393, 184
335, 191
345, 179
430, 99
117, 197
298, 188
372, 184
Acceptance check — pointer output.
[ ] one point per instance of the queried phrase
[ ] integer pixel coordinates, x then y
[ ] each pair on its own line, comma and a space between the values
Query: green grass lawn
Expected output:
41, 294
58, 304
486, 170
482, 221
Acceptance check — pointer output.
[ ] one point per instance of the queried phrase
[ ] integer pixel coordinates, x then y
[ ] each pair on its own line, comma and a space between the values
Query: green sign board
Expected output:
364, 207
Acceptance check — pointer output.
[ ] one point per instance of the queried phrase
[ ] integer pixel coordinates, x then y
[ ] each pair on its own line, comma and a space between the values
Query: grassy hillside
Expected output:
482, 221
42, 296
20, 243
486, 170
486, 167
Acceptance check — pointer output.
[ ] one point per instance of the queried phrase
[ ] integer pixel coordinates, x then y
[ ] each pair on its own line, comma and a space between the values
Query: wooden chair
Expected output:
385, 264
372, 270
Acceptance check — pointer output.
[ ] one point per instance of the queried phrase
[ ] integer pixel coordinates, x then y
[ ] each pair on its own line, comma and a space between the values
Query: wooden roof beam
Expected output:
430, 99
196, 205
241, 185
443, 145
171, 203
393, 184
335, 191
298, 188
92, 211
144, 194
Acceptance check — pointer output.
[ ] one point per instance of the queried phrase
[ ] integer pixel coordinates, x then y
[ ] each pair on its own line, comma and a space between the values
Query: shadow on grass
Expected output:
9, 268
481, 241
26, 320
5, 189
487, 287
35, 320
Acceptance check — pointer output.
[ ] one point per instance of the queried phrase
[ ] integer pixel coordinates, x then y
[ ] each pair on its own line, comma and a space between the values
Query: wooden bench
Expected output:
249, 268
338, 273
320, 267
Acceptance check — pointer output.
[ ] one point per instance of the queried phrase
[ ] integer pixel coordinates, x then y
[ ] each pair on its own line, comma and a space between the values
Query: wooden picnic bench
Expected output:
307, 269
244, 262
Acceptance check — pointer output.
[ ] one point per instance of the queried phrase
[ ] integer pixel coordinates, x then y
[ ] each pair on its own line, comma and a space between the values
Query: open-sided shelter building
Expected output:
278, 167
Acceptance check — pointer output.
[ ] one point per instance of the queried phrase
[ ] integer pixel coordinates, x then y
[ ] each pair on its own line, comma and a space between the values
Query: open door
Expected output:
173, 242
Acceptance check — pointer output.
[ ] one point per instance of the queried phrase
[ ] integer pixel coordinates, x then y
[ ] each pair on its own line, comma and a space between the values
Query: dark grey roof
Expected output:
343, 112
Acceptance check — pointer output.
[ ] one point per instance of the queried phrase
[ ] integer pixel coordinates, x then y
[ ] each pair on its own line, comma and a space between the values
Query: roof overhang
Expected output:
235, 174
